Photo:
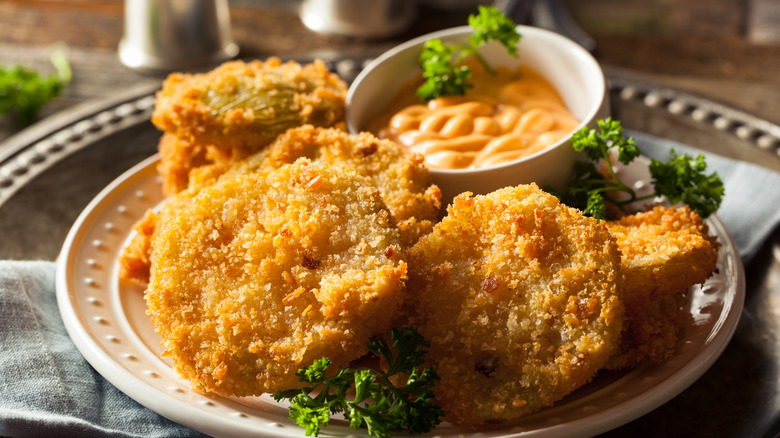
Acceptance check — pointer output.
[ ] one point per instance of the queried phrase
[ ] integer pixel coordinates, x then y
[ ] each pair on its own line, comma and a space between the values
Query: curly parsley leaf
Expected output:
682, 179
441, 77
441, 63
378, 405
492, 24
25, 91
597, 145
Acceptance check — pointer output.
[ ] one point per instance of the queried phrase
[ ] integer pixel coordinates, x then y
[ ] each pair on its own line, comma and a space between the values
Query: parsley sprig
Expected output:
682, 179
441, 63
25, 91
377, 404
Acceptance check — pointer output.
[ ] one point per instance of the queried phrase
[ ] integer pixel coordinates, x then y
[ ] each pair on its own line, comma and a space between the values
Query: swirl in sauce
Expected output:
506, 116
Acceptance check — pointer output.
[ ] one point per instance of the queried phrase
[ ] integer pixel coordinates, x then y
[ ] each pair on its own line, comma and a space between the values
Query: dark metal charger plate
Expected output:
51, 171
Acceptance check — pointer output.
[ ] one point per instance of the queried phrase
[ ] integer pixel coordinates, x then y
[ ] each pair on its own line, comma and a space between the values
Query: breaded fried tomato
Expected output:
664, 251
241, 104
259, 275
520, 298
402, 179
213, 119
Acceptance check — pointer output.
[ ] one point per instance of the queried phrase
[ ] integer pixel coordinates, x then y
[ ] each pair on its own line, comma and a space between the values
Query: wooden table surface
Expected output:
724, 50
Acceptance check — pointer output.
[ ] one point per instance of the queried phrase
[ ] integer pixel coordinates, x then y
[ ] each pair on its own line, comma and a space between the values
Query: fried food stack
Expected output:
282, 242
664, 251
214, 119
524, 300
520, 297
222, 121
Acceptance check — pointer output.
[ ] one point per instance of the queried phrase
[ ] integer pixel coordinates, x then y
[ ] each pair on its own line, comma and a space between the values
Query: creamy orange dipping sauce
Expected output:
504, 117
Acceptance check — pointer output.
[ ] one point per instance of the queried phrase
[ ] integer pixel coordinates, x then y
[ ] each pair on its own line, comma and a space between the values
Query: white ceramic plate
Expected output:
108, 324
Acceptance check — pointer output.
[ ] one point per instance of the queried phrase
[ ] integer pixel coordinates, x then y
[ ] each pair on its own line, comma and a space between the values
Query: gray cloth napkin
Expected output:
47, 388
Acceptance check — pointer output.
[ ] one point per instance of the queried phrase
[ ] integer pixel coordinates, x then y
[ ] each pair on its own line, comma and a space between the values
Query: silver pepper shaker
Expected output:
172, 35
359, 18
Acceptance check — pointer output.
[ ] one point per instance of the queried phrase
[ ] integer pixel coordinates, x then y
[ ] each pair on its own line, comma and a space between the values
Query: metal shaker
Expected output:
167, 35
360, 18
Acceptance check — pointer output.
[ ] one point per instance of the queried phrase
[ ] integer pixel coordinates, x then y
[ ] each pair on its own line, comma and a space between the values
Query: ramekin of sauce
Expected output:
507, 115
512, 127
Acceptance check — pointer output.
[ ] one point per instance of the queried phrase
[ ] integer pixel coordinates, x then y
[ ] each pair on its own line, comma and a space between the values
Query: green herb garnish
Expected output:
441, 63
681, 180
377, 404
25, 91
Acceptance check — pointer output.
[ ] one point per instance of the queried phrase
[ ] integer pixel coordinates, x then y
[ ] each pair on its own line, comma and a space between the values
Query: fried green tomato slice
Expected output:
665, 250
402, 179
259, 275
520, 298
247, 104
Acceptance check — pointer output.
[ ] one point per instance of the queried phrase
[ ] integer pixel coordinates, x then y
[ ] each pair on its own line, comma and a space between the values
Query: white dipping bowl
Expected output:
574, 73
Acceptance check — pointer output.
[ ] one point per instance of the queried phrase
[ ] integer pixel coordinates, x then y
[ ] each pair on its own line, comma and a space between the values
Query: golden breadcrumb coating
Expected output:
182, 161
259, 275
177, 159
651, 330
665, 251
135, 258
216, 118
402, 179
520, 298
247, 104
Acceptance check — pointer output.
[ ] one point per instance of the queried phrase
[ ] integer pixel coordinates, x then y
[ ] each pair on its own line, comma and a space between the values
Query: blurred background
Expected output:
724, 50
